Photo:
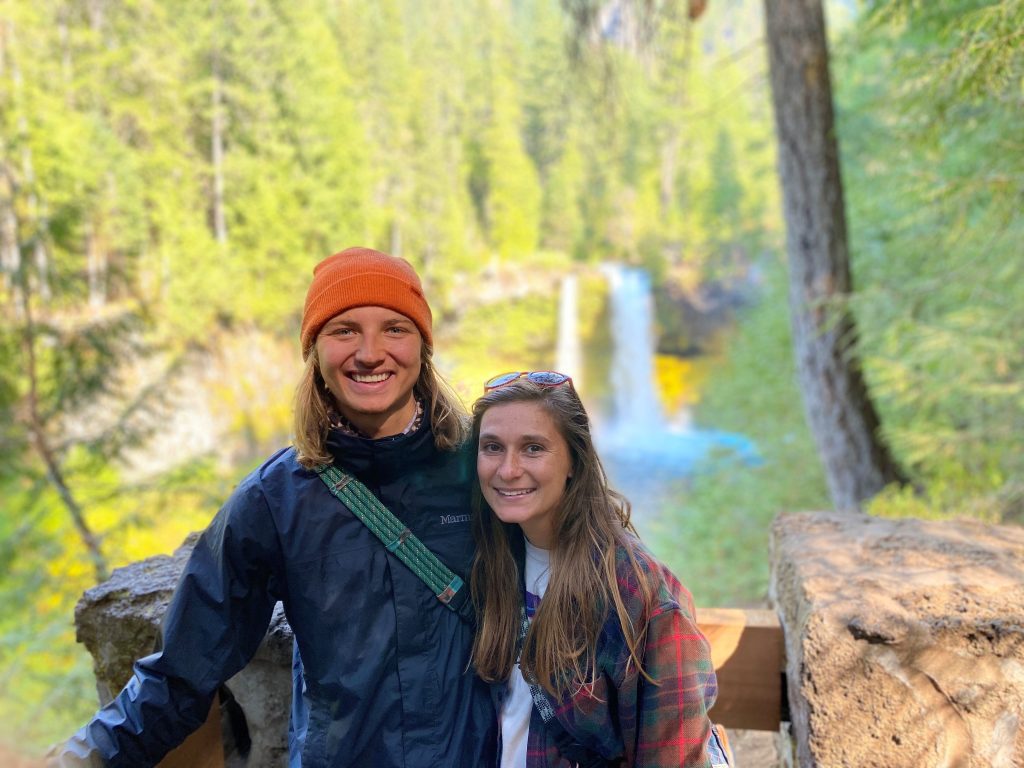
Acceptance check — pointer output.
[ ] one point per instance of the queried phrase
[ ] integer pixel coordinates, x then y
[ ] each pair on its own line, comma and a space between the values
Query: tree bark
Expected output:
672, 144
10, 253
95, 264
841, 414
220, 227
28, 173
38, 220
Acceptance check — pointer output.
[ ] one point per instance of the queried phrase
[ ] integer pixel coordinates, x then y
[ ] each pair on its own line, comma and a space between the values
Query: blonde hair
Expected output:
449, 421
592, 534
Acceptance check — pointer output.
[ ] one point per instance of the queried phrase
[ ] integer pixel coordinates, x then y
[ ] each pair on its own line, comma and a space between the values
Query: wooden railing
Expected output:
747, 650
749, 655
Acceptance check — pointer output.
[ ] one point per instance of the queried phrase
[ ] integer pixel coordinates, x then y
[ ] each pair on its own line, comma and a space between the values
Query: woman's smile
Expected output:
514, 493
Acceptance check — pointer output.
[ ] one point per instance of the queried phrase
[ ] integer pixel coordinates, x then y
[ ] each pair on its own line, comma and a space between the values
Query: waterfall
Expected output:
569, 355
632, 329
636, 434
644, 450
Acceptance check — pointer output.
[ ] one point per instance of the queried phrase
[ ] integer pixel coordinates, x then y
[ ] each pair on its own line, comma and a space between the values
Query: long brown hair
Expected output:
592, 529
448, 418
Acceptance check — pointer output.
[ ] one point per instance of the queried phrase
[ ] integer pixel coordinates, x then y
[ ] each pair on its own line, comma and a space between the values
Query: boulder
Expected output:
118, 621
904, 640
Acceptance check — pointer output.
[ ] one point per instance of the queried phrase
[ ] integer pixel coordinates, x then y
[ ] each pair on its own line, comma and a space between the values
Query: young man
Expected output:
384, 664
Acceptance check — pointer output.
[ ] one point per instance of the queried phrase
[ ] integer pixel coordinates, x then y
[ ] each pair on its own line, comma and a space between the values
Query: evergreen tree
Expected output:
930, 104
513, 198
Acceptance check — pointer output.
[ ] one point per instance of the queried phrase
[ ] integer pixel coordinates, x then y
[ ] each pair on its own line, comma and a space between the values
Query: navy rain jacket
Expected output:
385, 663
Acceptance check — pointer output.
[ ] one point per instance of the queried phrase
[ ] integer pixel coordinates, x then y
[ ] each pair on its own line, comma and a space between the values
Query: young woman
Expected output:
590, 644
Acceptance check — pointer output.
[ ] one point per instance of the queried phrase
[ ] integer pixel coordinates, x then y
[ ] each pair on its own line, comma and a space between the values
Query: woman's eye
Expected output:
490, 448
533, 448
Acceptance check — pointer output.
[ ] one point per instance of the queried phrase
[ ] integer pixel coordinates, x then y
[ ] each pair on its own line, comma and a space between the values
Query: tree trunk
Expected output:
65, 52
672, 144
28, 173
96, 10
42, 260
38, 221
10, 253
396, 238
668, 171
842, 417
95, 265
220, 228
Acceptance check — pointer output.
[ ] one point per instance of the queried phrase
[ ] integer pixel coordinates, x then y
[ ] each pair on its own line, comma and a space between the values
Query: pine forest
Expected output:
170, 172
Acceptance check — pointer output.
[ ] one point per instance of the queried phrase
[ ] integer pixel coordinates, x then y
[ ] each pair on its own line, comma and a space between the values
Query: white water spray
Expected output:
636, 400
569, 354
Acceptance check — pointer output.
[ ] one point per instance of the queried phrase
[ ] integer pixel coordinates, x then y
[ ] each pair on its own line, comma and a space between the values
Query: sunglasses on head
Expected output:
540, 378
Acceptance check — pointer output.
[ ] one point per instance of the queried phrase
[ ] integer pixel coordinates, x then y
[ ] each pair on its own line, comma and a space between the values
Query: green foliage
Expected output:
930, 110
725, 198
49, 689
502, 336
929, 101
45, 676
512, 213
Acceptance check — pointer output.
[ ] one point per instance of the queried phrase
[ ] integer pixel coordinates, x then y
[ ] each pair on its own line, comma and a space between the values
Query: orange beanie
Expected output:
362, 277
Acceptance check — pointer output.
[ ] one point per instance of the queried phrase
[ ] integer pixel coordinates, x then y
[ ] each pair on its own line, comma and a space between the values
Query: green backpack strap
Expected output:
398, 539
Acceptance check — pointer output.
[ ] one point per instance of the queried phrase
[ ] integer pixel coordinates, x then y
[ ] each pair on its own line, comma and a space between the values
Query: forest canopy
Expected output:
169, 174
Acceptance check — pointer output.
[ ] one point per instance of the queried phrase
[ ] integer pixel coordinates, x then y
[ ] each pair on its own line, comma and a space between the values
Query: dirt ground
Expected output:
754, 749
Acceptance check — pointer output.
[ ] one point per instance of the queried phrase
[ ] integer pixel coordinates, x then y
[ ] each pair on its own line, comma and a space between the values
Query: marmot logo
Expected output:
449, 519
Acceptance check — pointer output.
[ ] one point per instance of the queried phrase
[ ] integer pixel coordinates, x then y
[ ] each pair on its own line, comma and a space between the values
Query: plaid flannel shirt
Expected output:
623, 714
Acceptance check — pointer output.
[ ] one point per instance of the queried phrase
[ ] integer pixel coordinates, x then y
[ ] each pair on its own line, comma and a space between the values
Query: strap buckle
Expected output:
392, 546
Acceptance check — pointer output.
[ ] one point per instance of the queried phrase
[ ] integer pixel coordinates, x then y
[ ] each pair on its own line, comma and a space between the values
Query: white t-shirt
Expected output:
518, 705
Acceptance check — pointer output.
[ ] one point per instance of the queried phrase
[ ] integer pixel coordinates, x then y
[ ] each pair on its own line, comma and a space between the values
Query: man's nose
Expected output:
370, 351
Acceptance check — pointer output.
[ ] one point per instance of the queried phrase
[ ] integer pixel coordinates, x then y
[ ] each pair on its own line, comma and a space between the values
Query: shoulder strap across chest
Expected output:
447, 586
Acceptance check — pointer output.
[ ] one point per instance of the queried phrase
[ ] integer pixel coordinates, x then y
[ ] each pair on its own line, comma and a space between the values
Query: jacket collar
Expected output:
382, 460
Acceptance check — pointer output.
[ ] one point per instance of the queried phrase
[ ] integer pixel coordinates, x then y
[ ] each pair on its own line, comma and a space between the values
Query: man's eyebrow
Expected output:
333, 325
345, 323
